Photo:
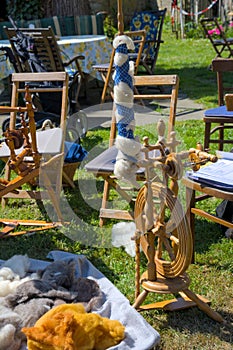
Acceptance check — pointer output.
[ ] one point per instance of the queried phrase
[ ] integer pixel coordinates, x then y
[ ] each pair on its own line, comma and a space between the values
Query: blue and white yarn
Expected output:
127, 145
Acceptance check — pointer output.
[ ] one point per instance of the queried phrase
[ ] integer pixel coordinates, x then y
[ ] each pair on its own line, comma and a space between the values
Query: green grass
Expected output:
211, 275
191, 60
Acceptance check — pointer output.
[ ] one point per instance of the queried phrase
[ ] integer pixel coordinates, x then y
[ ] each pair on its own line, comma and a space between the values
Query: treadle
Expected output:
174, 304
12, 224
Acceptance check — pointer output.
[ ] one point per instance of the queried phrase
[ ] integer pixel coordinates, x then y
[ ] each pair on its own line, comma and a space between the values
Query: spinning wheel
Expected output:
163, 233
174, 245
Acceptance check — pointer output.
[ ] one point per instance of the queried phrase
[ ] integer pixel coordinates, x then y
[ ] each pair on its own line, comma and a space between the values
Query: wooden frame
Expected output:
203, 192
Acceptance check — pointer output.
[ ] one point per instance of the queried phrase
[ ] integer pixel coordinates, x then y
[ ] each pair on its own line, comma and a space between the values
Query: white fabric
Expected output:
48, 142
139, 334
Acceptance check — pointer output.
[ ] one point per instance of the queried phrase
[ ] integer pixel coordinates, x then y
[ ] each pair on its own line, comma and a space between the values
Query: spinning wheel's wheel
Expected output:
172, 237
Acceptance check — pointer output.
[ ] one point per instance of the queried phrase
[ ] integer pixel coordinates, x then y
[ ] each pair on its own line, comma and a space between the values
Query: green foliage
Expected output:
28, 9
109, 28
193, 30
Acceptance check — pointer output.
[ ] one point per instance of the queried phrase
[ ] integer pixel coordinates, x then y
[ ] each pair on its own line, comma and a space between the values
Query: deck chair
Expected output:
220, 116
36, 50
106, 70
222, 45
30, 153
152, 22
103, 165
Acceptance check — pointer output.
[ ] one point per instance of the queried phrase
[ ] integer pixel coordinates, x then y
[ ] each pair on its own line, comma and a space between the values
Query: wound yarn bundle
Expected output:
127, 144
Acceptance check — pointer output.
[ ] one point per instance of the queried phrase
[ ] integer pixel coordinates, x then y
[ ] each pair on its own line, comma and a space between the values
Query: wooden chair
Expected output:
38, 50
103, 165
220, 115
152, 22
106, 70
217, 36
47, 143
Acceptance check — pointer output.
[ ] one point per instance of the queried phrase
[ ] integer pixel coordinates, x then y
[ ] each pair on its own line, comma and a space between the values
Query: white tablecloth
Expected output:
95, 48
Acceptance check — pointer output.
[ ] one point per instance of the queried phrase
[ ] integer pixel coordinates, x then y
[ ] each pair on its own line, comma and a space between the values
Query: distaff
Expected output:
128, 146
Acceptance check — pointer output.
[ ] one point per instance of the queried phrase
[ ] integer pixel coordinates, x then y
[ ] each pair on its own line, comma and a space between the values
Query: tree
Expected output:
32, 9
66, 7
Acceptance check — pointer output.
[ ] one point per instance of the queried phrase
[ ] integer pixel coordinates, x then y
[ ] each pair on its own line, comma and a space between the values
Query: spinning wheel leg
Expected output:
140, 299
203, 306
174, 286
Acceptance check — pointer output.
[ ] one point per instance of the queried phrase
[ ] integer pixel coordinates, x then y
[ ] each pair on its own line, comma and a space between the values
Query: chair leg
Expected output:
207, 135
190, 203
104, 200
104, 91
221, 137
106, 79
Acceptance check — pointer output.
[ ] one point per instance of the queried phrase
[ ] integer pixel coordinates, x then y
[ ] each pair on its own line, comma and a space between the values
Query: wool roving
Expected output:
127, 144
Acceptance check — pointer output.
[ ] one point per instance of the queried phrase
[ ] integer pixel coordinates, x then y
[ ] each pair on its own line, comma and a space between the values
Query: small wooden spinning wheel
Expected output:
163, 233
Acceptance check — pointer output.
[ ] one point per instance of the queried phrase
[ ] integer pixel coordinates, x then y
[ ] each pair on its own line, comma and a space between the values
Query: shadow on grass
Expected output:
206, 233
195, 324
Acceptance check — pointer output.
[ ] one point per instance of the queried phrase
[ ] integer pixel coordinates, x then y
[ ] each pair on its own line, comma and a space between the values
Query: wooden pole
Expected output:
120, 18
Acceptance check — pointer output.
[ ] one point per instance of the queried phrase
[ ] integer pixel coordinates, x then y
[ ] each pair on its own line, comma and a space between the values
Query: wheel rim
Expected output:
173, 239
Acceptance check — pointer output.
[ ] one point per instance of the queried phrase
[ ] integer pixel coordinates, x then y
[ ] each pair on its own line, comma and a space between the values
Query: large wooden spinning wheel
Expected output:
173, 240
164, 236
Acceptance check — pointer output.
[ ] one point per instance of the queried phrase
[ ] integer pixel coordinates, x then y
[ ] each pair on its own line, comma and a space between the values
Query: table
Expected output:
204, 192
95, 48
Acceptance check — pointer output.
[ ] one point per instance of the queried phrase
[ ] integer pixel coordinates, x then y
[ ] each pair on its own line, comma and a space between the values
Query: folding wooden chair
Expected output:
106, 70
39, 51
31, 153
152, 22
220, 116
217, 36
103, 165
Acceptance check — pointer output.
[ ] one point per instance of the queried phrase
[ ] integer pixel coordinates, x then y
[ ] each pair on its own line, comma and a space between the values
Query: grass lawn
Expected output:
212, 273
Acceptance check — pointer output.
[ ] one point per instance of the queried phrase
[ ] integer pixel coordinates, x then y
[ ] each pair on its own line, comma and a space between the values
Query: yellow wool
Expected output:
69, 327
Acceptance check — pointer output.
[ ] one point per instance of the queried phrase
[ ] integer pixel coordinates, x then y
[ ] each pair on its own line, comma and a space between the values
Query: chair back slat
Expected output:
44, 45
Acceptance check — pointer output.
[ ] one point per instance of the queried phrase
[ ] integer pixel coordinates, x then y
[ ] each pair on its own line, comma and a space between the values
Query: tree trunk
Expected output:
66, 7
